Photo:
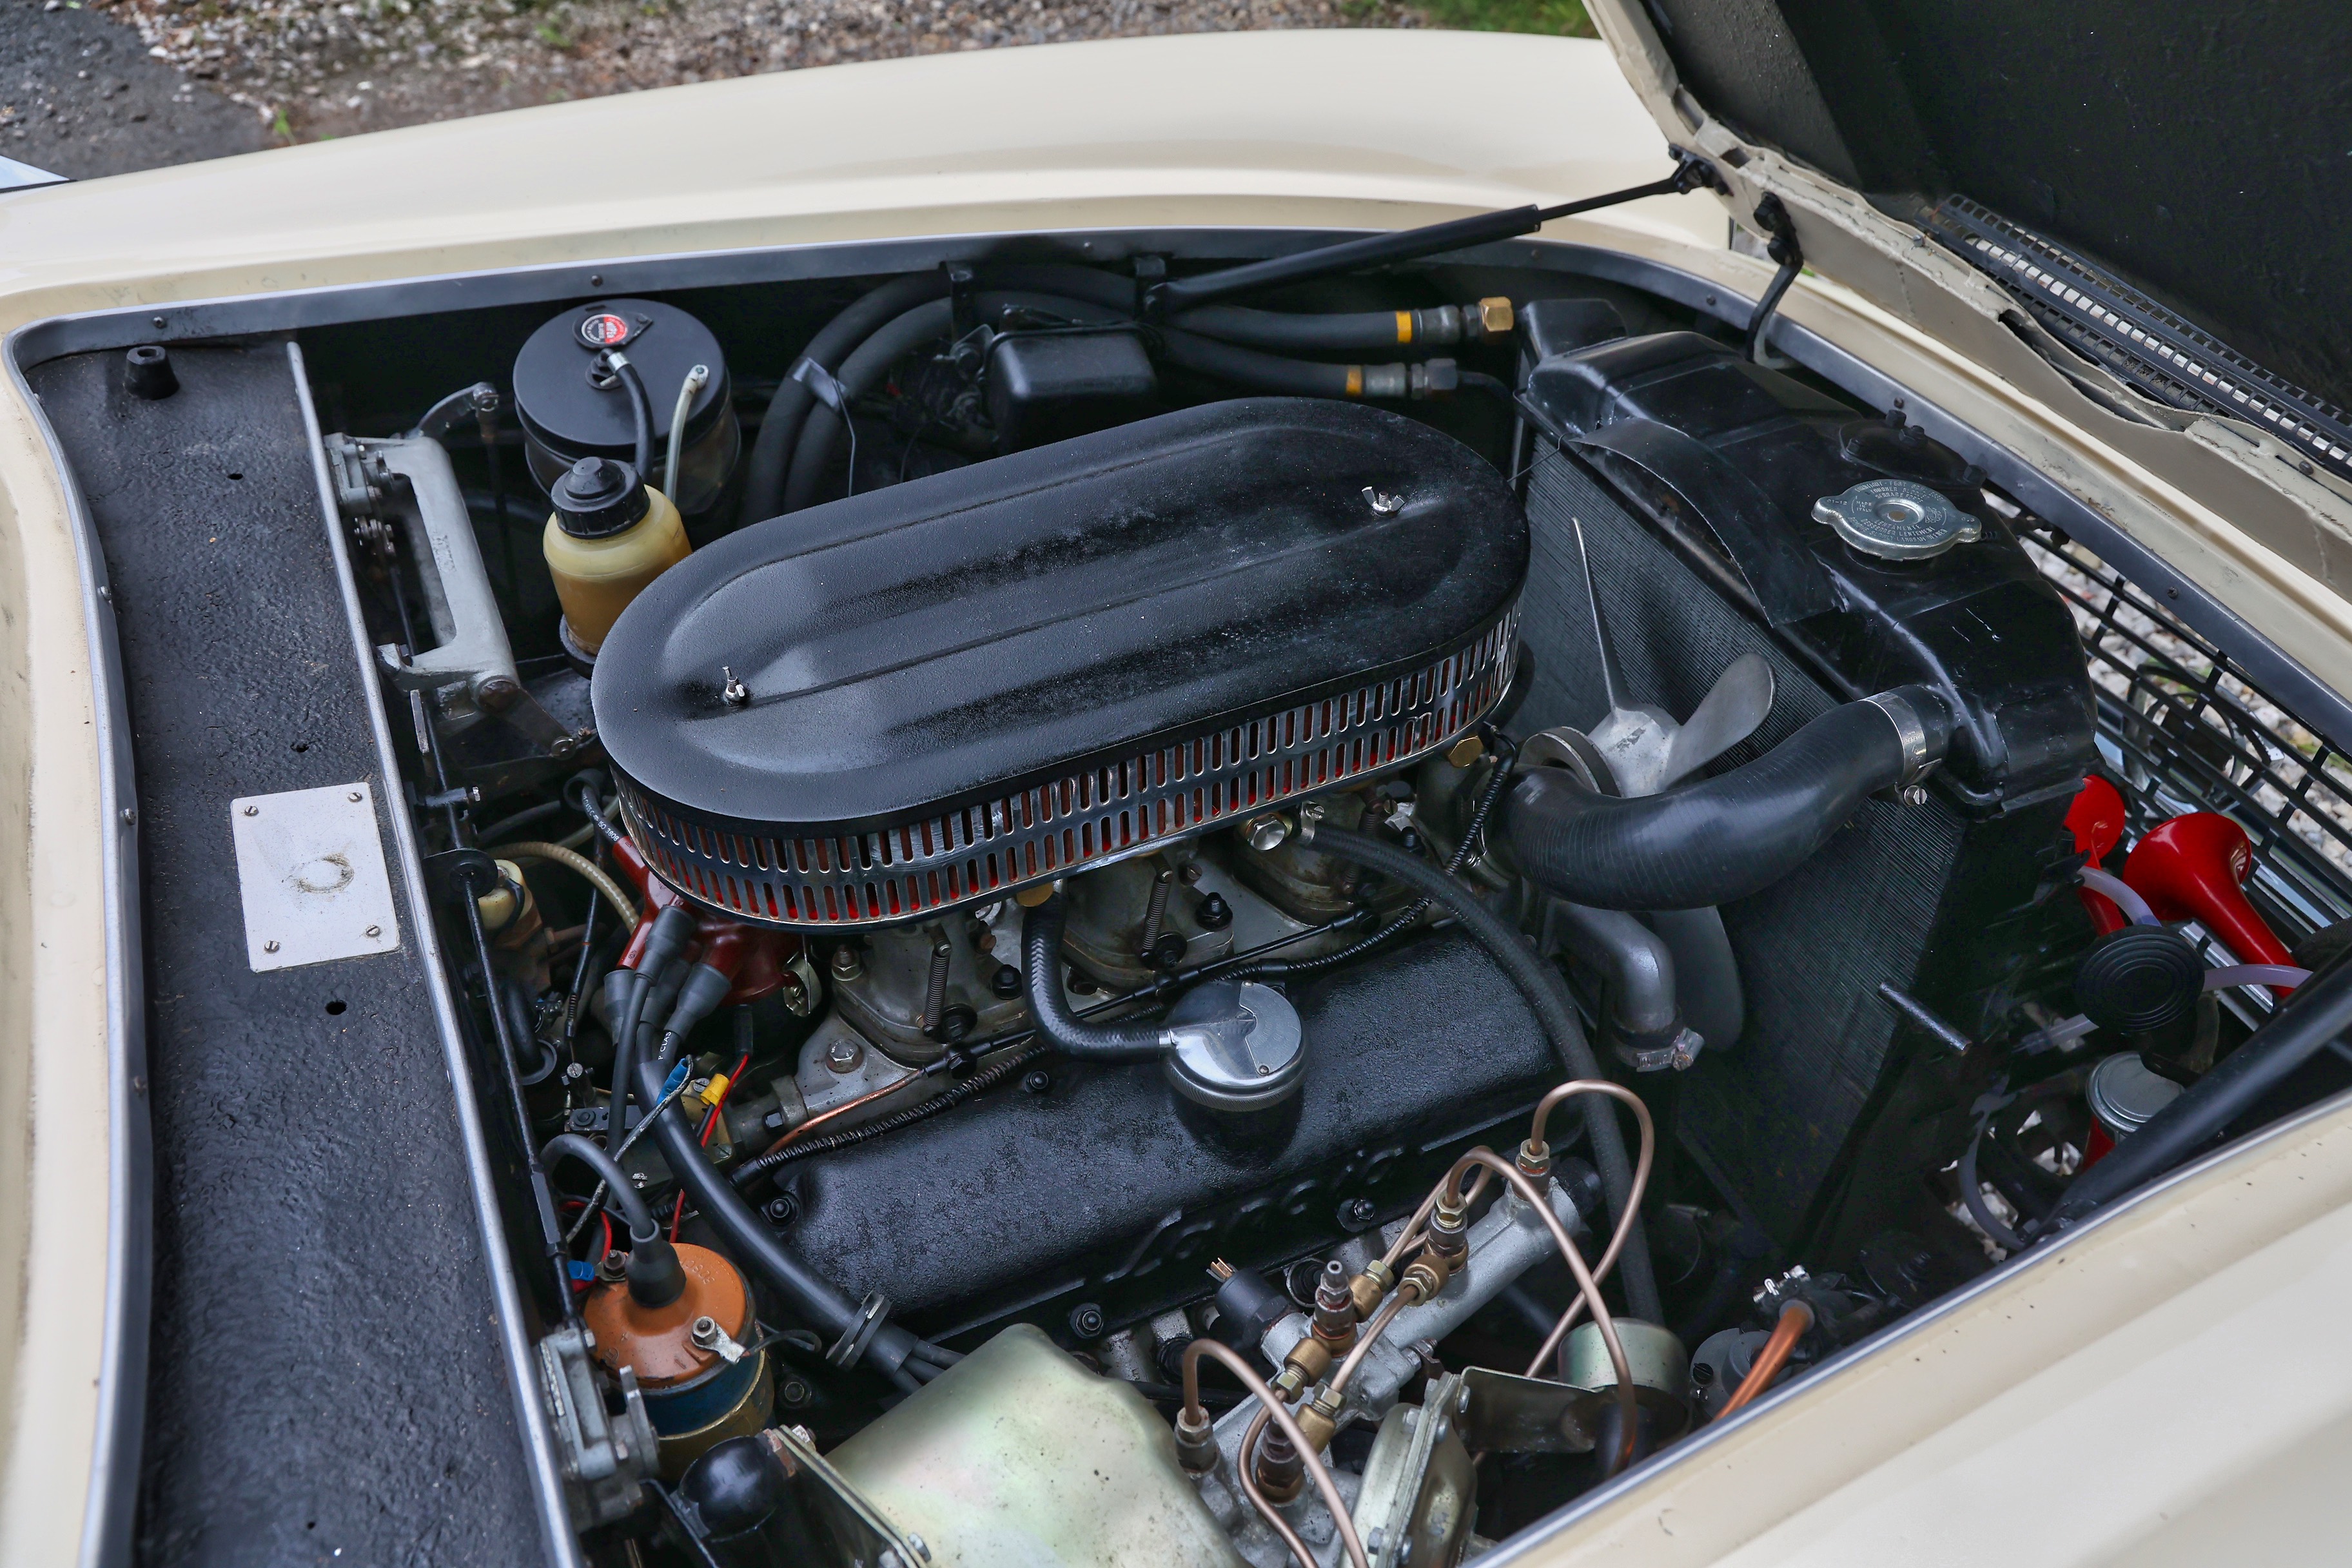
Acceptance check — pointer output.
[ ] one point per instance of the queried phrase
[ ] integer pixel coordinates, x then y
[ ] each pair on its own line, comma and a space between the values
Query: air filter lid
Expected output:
1003, 672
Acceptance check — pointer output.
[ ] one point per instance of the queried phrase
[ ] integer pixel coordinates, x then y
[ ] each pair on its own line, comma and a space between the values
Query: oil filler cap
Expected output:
1237, 1047
1896, 520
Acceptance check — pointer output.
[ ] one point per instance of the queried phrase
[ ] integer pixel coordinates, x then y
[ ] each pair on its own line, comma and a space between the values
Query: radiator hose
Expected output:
1722, 839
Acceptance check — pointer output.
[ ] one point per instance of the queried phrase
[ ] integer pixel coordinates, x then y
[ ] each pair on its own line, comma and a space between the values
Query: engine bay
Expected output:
1288, 932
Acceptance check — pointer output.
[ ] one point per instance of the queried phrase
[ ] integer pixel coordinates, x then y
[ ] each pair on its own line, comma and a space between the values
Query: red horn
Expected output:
2189, 868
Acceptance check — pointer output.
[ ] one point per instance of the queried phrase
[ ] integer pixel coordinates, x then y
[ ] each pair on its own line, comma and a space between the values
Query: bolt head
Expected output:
1266, 833
1038, 1081
375, 930
354, 796
781, 1209
843, 1056
270, 946
794, 1392
252, 811
1086, 1320
1214, 913
1006, 982
1916, 794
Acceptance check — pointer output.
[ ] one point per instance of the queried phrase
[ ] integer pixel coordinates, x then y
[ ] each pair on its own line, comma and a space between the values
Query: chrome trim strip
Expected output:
107, 1516
522, 1364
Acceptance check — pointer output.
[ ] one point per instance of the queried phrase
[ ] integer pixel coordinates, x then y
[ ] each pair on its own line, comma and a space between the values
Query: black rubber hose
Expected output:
1547, 992
618, 1190
1049, 1009
1260, 372
1356, 331
749, 1238
1505, 759
2318, 1016
865, 366
641, 414
763, 471
1719, 839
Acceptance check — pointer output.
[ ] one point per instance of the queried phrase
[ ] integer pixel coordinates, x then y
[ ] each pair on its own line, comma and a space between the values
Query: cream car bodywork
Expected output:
2168, 1378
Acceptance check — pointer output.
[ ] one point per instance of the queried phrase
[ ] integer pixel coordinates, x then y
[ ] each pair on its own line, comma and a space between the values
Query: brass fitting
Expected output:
1281, 1473
1495, 316
1534, 1161
1320, 1419
1367, 1288
1335, 1308
1448, 1234
1311, 1358
1466, 751
1196, 1446
1424, 1279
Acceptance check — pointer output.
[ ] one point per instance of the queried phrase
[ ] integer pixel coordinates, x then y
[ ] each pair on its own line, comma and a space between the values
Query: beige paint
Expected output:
2170, 1387
1350, 129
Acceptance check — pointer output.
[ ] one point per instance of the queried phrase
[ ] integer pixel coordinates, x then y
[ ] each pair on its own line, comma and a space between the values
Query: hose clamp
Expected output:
871, 1314
1910, 732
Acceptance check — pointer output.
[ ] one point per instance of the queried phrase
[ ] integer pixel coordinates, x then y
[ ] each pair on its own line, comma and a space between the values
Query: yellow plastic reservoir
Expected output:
610, 535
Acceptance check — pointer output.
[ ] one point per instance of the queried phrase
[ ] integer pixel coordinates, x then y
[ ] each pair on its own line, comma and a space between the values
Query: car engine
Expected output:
1093, 934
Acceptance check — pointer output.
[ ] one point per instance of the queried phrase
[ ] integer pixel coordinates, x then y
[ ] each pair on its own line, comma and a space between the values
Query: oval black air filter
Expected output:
1029, 667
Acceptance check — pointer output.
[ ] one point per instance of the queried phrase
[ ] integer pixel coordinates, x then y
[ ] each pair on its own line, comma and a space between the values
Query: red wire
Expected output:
710, 1125
604, 1218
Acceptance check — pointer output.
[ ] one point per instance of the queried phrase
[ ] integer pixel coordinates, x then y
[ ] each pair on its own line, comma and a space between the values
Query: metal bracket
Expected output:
606, 1459
871, 1314
1772, 217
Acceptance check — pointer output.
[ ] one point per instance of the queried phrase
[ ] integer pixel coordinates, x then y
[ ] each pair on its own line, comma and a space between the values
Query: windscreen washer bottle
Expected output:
573, 405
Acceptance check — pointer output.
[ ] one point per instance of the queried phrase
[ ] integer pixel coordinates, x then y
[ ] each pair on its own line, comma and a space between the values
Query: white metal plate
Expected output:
310, 866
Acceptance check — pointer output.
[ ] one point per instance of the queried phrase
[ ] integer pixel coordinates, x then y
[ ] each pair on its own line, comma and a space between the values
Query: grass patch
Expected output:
1556, 16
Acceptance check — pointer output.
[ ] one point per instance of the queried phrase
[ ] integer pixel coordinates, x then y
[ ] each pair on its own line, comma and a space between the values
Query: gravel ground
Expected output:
306, 69
80, 95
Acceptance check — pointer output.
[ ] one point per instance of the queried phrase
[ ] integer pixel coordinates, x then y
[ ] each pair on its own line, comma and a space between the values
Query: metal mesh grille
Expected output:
2183, 729
814, 877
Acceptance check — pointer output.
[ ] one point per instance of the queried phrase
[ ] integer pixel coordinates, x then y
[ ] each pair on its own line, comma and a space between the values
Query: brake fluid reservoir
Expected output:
610, 535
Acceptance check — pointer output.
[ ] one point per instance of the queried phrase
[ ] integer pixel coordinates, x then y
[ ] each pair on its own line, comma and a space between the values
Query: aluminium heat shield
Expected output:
993, 676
